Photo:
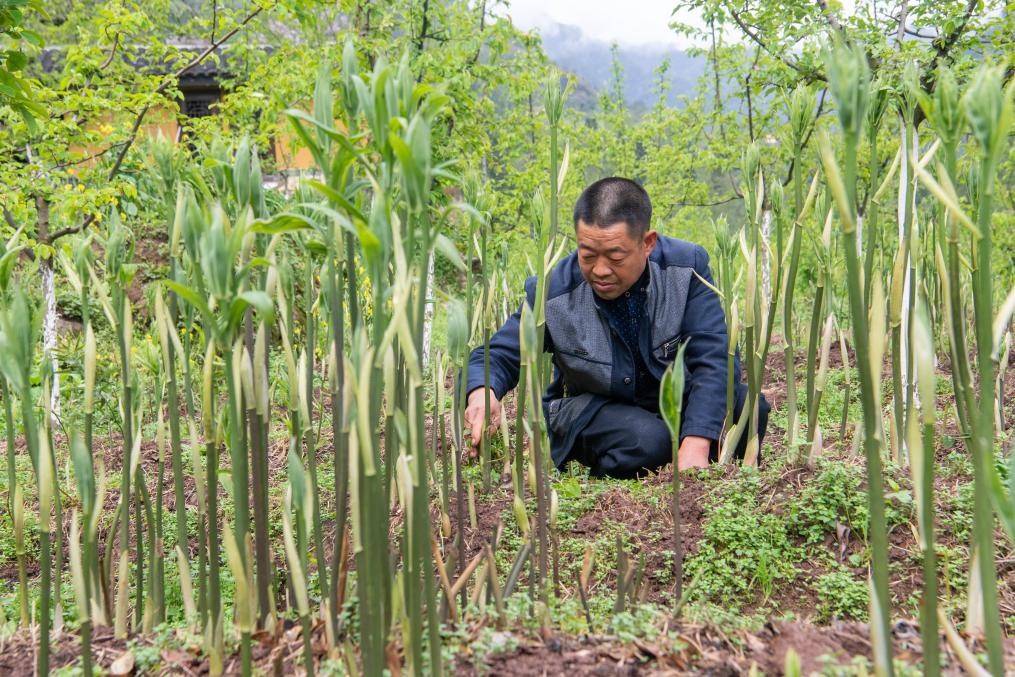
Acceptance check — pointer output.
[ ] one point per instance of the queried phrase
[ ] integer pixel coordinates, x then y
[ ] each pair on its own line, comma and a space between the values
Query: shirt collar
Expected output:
639, 288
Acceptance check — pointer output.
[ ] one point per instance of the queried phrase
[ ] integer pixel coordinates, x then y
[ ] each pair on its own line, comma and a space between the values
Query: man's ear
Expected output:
651, 238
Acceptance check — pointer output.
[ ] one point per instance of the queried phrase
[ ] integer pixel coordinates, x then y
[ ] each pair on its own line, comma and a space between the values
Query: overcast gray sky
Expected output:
629, 22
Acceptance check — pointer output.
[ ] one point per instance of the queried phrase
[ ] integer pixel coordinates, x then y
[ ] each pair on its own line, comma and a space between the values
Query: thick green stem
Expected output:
238, 454
871, 414
310, 442
5, 393
928, 605
812, 354
42, 665
983, 439
339, 437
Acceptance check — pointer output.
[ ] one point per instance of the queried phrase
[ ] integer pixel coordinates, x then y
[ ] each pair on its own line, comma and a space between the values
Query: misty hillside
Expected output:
590, 60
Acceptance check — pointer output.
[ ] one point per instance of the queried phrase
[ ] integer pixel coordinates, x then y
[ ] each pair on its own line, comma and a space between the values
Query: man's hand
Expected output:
693, 452
475, 415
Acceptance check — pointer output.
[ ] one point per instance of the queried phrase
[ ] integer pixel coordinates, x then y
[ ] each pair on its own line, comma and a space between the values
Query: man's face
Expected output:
611, 259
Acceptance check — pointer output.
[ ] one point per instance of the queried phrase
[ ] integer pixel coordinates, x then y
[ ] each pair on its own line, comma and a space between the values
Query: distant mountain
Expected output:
590, 59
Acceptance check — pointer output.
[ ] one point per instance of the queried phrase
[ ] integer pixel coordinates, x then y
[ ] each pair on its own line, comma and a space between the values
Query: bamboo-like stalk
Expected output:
485, 460
529, 347
11, 436
7, 254
555, 97
758, 304
118, 274
20, 553
880, 99
168, 319
726, 255
295, 539
799, 107
823, 270
458, 342
989, 109
848, 81
819, 389
213, 619
623, 565
904, 280
46, 476
921, 449
310, 441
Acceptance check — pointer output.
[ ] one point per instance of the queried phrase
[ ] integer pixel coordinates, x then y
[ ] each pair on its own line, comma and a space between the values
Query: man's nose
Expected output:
600, 269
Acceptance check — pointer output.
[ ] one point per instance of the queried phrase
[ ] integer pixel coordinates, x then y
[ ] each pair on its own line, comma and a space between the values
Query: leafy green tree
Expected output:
16, 41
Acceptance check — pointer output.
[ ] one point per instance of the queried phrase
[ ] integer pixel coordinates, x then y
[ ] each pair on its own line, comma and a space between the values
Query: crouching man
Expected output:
616, 311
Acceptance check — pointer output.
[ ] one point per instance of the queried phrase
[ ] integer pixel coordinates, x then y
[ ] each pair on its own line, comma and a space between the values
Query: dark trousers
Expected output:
625, 441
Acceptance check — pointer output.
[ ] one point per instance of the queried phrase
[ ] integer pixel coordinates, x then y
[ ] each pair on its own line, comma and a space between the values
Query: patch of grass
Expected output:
638, 622
730, 620
833, 397
834, 495
743, 547
841, 596
957, 513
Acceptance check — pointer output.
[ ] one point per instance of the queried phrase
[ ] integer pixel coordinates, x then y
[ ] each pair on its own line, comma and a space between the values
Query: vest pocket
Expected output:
581, 374
581, 354
669, 348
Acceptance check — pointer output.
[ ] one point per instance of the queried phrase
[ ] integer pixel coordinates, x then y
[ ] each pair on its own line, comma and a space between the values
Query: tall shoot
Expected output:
849, 80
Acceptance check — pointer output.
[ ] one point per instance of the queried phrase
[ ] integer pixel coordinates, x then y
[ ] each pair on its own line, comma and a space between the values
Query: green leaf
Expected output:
458, 330
671, 393
1004, 501
448, 250
16, 60
295, 116
371, 243
188, 295
260, 301
337, 217
333, 134
286, 222
84, 473
32, 38
336, 197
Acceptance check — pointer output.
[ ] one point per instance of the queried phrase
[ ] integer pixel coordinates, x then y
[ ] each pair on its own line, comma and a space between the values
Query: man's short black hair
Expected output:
615, 200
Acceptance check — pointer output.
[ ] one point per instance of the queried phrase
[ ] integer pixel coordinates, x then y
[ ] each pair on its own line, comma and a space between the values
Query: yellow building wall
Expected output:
288, 155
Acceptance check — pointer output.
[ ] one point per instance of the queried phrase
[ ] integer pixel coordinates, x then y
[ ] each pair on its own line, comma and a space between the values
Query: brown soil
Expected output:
701, 650
277, 652
648, 530
18, 652
648, 527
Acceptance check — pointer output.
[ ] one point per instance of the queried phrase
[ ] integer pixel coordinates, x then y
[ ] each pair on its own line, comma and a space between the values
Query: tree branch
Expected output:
900, 31
112, 52
731, 198
94, 156
922, 36
832, 20
132, 137
70, 230
942, 50
756, 39
9, 218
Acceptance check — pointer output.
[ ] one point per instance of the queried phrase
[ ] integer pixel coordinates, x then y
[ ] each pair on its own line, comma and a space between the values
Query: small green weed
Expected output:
833, 496
841, 596
742, 548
